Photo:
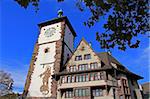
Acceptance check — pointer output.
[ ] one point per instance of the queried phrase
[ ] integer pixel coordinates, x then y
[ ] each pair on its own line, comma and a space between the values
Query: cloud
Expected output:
143, 56
145, 53
18, 72
142, 61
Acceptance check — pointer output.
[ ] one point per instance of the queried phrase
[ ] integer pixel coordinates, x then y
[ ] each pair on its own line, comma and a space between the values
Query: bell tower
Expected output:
54, 45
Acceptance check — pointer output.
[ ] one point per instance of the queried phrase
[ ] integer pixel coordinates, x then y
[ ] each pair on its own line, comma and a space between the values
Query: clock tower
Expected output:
52, 49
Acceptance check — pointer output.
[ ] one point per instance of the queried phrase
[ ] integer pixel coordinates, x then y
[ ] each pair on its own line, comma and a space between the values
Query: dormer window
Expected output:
77, 58
87, 56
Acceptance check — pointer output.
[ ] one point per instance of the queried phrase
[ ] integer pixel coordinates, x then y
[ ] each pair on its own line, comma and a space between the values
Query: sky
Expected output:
19, 31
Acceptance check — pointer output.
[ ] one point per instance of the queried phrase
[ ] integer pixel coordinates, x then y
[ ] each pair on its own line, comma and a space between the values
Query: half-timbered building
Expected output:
57, 71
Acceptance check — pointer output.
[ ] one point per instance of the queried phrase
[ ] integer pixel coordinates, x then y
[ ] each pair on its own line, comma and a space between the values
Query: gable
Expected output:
85, 51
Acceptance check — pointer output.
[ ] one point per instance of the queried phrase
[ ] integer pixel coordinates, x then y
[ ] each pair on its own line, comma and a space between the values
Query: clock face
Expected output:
50, 32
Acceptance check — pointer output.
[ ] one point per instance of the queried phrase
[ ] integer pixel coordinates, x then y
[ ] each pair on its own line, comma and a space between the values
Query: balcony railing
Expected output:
85, 84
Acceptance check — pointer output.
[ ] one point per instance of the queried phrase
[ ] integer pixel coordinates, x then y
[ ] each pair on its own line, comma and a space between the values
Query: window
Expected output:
83, 78
86, 66
80, 78
93, 65
121, 97
87, 56
77, 58
127, 97
63, 80
87, 77
69, 94
126, 90
82, 92
73, 79
83, 67
76, 92
132, 82
77, 78
73, 68
97, 92
87, 91
46, 50
95, 76
101, 76
68, 79
70, 68
124, 82
91, 76
125, 86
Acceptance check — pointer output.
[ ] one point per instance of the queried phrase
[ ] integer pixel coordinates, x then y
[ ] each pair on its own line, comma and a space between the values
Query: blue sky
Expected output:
19, 31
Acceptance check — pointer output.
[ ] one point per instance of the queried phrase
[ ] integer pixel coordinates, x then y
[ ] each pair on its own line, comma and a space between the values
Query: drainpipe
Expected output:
114, 94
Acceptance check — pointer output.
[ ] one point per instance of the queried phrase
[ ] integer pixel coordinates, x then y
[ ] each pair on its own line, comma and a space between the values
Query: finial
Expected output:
60, 13
109, 52
90, 44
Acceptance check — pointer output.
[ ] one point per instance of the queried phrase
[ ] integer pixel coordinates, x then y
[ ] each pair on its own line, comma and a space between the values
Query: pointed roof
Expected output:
82, 40
108, 59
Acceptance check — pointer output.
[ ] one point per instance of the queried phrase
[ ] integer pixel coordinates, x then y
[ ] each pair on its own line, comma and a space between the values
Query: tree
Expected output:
6, 83
127, 19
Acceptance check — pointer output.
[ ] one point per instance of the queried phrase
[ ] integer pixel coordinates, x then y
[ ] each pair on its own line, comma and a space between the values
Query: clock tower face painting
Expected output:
50, 32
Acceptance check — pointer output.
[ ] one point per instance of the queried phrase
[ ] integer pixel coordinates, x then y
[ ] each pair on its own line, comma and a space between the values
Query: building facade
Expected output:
58, 72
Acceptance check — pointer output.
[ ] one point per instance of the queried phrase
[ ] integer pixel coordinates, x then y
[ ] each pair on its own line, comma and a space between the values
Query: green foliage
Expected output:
25, 3
128, 19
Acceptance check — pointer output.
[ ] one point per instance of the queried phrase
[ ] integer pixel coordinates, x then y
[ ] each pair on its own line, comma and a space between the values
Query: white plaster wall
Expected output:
39, 68
47, 57
56, 36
